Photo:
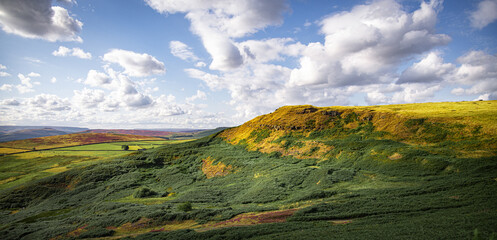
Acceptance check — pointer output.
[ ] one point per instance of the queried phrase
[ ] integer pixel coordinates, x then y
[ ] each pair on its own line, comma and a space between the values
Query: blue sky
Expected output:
203, 64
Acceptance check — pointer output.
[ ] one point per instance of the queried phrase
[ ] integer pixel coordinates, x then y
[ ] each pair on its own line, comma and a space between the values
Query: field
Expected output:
67, 140
27, 166
298, 173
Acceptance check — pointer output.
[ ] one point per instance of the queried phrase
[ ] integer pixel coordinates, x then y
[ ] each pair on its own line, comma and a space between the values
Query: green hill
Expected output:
419, 171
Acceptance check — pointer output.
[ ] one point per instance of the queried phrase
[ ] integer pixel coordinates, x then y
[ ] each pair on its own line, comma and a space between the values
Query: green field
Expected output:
338, 176
20, 168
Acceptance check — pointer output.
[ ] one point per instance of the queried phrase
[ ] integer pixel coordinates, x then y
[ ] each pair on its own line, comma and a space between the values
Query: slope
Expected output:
300, 172
30, 133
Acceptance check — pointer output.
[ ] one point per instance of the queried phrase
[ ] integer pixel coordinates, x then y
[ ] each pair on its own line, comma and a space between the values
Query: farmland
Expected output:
29, 165
298, 173
68, 140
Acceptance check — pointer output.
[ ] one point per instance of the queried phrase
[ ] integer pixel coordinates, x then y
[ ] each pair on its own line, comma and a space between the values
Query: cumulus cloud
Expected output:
4, 74
97, 79
182, 51
485, 14
478, 70
362, 51
6, 87
10, 102
364, 45
200, 64
430, 69
26, 85
274, 49
33, 74
199, 96
49, 102
76, 52
39, 19
88, 98
219, 22
135, 64
53, 80
414, 93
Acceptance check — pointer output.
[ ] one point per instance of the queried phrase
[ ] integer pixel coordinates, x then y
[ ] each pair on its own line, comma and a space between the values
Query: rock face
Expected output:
308, 110
331, 113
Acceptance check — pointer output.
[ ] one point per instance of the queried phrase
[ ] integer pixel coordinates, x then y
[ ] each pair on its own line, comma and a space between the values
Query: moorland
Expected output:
413, 171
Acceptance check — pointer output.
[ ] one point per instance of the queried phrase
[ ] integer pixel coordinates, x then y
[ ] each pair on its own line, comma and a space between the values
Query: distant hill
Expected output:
149, 133
11, 133
29, 133
7, 129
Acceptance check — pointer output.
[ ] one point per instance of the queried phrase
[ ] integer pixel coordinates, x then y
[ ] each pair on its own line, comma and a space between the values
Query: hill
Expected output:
419, 171
67, 140
29, 133
148, 133
11, 133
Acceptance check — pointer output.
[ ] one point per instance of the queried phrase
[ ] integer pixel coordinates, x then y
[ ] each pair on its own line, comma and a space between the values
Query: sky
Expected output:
209, 63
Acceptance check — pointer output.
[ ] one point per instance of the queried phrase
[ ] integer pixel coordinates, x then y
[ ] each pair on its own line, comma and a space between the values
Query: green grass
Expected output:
366, 185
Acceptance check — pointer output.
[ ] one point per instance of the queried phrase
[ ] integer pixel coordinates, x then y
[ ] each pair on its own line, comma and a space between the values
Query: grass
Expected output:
28, 166
355, 179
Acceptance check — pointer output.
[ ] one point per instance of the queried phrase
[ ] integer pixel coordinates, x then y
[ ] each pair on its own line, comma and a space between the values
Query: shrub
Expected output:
143, 193
185, 207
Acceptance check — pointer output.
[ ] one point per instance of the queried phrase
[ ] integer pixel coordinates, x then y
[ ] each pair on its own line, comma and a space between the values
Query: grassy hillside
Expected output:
298, 173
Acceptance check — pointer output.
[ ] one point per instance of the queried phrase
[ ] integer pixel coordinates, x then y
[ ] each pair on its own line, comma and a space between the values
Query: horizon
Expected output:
155, 64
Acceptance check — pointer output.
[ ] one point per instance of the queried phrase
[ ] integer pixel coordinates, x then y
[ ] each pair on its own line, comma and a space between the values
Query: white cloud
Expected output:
88, 98
26, 86
366, 44
199, 96
97, 79
6, 87
76, 52
33, 74
219, 22
53, 80
135, 64
200, 64
10, 102
2, 66
484, 15
429, 69
33, 60
49, 102
415, 93
39, 19
182, 51
4, 74
274, 49
478, 70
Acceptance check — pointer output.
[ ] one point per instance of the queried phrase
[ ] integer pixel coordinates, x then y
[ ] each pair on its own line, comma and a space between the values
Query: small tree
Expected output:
125, 147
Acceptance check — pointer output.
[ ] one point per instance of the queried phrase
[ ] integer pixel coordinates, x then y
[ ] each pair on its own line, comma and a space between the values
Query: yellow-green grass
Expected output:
146, 201
11, 150
23, 167
459, 120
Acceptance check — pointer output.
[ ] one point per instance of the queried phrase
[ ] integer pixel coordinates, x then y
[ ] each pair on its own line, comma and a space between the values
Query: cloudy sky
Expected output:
209, 63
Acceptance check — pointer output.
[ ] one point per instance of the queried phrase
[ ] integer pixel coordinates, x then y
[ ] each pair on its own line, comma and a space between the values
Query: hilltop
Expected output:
422, 171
